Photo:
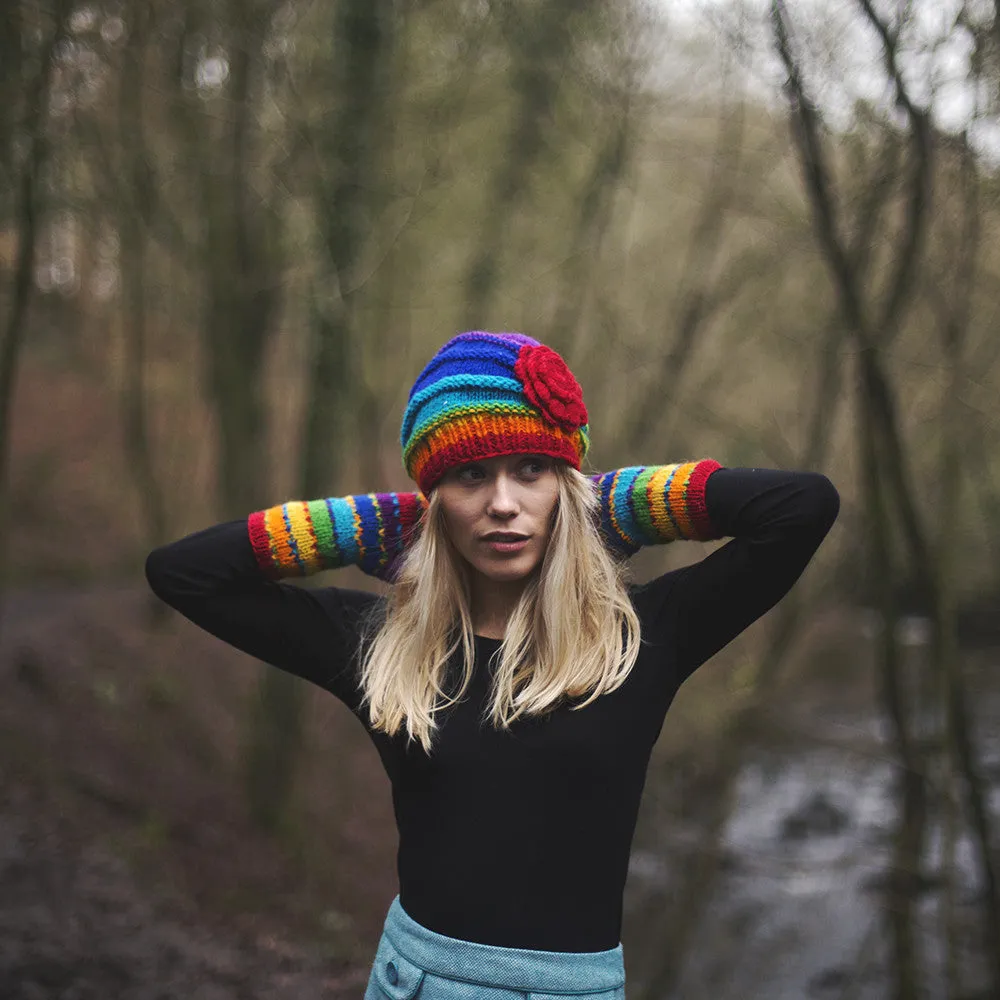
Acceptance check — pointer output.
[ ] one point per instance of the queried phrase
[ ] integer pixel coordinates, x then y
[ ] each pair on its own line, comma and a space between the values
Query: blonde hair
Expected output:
574, 631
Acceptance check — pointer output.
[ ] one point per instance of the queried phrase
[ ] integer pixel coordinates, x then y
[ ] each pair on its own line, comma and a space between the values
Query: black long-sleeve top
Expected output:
520, 838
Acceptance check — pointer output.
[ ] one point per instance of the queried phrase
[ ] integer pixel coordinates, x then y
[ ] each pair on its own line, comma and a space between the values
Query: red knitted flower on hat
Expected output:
551, 386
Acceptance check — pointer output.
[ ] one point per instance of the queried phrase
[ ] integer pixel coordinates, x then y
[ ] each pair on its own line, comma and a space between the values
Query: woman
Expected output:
512, 683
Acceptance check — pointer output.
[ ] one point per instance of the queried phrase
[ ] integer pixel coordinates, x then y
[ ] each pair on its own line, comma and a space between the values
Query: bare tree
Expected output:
887, 478
953, 310
30, 72
700, 294
700, 874
541, 37
135, 207
347, 144
239, 261
609, 168
346, 148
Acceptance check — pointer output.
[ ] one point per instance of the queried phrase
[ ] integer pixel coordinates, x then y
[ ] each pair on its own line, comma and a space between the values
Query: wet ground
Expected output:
128, 868
74, 925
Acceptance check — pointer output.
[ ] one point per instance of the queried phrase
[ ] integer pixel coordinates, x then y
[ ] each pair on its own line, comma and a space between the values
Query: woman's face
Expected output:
498, 512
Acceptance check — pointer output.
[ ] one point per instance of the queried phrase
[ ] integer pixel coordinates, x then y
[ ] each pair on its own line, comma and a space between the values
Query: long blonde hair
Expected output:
574, 631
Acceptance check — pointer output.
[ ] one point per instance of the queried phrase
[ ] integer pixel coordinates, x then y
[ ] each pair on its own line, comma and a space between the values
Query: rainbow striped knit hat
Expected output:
488, 394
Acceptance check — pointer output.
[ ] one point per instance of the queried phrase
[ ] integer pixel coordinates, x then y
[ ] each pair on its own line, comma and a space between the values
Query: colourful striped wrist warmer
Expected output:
653, 504
369, 530
640, 505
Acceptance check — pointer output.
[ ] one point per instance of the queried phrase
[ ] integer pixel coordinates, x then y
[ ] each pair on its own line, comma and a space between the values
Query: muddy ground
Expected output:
128, 868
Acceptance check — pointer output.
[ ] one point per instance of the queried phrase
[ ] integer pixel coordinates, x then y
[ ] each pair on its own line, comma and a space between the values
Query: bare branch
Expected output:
917, 215
806, 130
695, 303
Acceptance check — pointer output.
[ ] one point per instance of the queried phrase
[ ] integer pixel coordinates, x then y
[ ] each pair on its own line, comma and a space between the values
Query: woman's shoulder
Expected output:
349, 600
357, 611
649, 596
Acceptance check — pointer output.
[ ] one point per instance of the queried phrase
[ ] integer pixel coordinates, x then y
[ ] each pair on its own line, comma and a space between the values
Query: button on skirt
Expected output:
413, 961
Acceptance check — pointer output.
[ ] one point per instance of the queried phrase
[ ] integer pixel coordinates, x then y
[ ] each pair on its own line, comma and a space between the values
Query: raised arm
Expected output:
639, 505
654, 504
214, 578
776, 521
368, 530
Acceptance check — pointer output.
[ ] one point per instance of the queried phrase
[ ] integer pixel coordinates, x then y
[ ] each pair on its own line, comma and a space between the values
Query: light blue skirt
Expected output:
415, 962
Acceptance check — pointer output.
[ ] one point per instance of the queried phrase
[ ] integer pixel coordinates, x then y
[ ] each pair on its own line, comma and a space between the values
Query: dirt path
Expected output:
122, 833
75, 926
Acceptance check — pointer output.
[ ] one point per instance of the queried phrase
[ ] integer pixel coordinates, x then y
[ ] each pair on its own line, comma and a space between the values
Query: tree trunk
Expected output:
692, 306
362, 29
596, 201
133, 237
701, 871
887, 479
33, 127
946, 662
349, 145
243, 280
542, 46
911, 821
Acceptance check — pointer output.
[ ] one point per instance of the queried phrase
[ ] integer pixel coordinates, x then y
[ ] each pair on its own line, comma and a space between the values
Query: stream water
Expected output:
798, 909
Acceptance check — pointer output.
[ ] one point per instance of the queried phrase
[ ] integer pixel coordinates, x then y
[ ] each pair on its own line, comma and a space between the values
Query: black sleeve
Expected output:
212, 578
777, 521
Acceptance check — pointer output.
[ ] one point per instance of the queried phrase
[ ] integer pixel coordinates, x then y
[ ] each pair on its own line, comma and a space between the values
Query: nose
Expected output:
503, 498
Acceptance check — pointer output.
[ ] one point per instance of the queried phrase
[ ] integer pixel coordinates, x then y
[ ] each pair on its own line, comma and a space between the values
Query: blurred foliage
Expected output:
638, 216
657, 234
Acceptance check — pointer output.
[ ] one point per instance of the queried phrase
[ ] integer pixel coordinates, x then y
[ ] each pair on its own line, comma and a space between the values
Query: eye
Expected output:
533, 467
470, 474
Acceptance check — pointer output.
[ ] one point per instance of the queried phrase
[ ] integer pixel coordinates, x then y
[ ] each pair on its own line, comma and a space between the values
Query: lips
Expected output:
504, 536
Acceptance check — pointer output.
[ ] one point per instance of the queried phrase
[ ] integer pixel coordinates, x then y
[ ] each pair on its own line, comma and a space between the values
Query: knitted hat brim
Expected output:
488, 435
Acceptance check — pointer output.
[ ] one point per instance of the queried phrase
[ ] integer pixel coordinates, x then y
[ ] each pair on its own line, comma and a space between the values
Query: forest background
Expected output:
231, 233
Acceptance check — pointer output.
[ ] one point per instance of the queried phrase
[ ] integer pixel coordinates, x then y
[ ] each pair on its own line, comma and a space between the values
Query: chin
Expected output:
506, 572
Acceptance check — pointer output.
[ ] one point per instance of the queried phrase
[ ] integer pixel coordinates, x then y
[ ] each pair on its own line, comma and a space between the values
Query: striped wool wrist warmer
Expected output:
369, 530
653, 504
639, 505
